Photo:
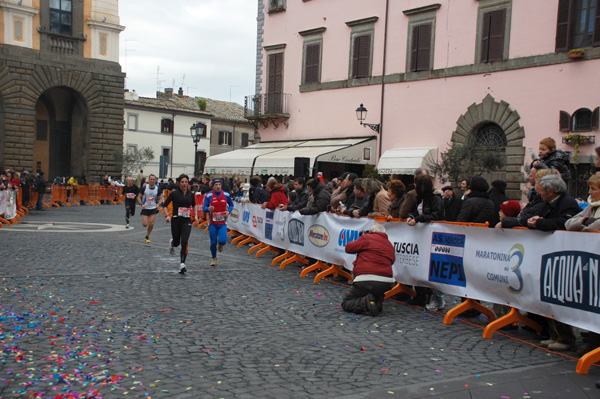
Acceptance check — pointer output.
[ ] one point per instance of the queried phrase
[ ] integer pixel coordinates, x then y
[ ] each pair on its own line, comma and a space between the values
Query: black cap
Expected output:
447, 188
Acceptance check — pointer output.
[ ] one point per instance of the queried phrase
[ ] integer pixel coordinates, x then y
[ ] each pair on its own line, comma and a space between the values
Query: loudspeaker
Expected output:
301, 166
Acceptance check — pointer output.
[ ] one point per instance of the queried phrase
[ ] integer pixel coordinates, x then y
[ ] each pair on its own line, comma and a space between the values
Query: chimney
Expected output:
169, 91
180, 92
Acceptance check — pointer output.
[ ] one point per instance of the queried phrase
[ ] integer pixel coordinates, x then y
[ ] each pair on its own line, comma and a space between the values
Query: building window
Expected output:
275, 83
245, 137
361, 56
492, 36
61, 17
18, 29
491, 136
166, 125
582, 120
578, 24
131, 148
276, 5
420, 49
312, 62
225, 138
132, 122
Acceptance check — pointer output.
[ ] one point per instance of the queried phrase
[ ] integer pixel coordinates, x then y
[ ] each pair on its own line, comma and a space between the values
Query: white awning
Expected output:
404, 161
350, 150
240, 162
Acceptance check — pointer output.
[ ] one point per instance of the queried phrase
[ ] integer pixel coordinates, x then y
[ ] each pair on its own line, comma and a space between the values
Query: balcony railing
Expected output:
267, 106
62, 44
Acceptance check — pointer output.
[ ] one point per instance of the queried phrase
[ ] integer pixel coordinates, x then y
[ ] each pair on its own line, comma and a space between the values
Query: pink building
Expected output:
429, 73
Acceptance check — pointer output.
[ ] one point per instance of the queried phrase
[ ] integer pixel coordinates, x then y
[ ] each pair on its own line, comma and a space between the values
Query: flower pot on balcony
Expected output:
575, 55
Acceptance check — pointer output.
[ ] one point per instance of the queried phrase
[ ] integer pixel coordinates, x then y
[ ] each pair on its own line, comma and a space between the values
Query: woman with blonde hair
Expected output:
378, 198
589, 218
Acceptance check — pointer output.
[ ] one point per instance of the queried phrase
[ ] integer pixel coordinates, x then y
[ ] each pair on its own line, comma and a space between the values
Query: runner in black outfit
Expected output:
183, 205
131, 192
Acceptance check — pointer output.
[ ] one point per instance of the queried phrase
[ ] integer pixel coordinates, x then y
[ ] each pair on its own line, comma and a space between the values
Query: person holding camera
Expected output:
373, 274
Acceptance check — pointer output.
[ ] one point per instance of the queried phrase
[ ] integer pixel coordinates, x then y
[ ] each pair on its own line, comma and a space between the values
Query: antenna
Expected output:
158, 81
127, 51
182, 81
230, 86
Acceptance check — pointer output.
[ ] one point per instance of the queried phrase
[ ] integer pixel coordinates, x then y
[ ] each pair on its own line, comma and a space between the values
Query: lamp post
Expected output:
361, 115
197, 132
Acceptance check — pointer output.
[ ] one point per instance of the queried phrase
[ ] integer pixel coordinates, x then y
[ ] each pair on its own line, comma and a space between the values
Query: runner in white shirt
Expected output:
149, 198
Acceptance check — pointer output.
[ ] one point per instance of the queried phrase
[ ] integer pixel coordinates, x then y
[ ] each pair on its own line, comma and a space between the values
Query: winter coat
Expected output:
555, 214
300, 201
358, 204
586, 220
433, 209
322, 198
409, 204
394, 207
452, 207
477, 208
558, 160
277, 198
375, 255
258, 195
533, 208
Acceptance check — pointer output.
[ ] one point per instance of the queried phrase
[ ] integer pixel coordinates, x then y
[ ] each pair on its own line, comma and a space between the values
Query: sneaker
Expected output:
547, 342
436, 303
559, 346
147, 240
182, 268
220, 247
127, 226
213, 262
171, 248
371, 305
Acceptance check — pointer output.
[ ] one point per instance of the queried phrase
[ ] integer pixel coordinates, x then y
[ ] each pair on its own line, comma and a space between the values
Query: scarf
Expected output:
596, 205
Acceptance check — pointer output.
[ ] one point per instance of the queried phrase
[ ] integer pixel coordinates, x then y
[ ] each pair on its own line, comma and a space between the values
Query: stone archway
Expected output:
2, 138
61, 143
500, 113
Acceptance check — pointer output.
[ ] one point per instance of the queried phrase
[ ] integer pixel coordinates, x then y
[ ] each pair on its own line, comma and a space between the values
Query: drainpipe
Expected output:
172, 150
385, 36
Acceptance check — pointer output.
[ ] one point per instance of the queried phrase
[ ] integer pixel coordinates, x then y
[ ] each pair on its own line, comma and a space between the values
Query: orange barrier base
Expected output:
4, 221
399, 288
466, 305
514, 316
583, 365
257, 247
233, 233
201, 224
283, 256
248, 240
296, 258
238, 239
267, 249
336, 271
318, 265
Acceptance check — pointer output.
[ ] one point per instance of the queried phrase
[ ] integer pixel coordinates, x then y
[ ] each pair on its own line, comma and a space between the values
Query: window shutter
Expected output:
311, 66
496, 35
229, 138
361, 56
414, 49
172, 126
564, 121
485, 37
424, 47
563, 25
275, 83
596, 118
596, 37
220, 138
244, 139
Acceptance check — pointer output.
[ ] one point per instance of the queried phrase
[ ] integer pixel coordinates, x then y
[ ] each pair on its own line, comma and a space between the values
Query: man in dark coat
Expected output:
360, 199
558, 206
321, 198
373, 274
498, 196
257, 194
452, 204
301, 199
477, 207
40, 188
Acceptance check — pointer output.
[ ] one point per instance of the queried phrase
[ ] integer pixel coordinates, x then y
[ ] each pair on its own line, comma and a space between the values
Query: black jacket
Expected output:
433, 209
300, 201
357, 205
533, 208
349, 196
558, 160
555, 214
258, 195
477, 208
452, 208
40, 185
322, 199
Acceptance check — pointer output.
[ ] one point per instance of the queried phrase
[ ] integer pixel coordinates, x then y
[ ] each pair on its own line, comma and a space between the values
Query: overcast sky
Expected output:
211, 42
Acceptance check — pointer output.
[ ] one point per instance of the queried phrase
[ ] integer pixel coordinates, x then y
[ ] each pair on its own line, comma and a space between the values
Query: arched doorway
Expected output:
496, 127
61, 143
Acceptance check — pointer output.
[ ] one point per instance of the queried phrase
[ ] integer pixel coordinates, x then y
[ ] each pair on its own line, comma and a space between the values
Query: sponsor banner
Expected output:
553, 274
8, 204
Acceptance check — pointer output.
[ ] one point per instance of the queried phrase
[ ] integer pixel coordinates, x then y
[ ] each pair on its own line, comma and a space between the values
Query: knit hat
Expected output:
313, 183
499, 184
478, 183
510, 208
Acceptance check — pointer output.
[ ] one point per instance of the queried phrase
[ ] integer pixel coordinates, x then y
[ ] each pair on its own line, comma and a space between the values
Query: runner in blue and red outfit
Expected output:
218, 204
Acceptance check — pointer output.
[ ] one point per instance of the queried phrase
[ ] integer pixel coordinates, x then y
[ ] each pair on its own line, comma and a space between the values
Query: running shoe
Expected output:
182, 268
436, 303
171, 248
127, 226
220, 247
214, 262
147, 240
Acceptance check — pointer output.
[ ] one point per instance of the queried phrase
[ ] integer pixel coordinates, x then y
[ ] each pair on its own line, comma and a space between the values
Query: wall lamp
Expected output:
361, 115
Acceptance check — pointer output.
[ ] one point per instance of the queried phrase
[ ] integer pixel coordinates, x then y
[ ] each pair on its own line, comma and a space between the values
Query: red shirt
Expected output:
278, 197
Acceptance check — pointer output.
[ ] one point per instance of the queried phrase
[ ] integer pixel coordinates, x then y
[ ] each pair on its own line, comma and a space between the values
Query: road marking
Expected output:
65, 227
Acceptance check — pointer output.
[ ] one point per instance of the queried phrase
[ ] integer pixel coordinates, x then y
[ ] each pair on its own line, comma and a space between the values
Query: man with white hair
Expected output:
558, 206
373, 275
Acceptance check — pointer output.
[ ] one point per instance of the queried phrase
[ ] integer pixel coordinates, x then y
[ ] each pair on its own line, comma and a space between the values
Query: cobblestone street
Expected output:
86, 307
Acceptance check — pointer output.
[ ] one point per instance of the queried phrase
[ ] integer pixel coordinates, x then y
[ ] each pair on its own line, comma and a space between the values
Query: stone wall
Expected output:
25, 74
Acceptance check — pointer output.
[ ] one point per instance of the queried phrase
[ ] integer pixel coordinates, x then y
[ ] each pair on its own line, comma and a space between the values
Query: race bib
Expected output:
150, 200
218, 216
184, 212
130, 195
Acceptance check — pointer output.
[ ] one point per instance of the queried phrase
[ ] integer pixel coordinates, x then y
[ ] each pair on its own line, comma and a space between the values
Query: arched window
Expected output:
582, 120
490, 136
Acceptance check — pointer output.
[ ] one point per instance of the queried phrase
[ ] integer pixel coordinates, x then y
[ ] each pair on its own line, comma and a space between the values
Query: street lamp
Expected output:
361, 115
197, 131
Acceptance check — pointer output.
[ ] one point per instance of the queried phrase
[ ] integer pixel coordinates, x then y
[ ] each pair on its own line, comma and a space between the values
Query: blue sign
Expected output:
446, 260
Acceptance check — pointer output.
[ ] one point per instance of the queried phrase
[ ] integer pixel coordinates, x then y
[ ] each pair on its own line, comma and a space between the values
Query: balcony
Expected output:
265, 108
62, 44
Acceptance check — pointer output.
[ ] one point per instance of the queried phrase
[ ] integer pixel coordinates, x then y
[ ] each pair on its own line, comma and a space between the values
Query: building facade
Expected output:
164, 125
229, 129
61, 101
431, 73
